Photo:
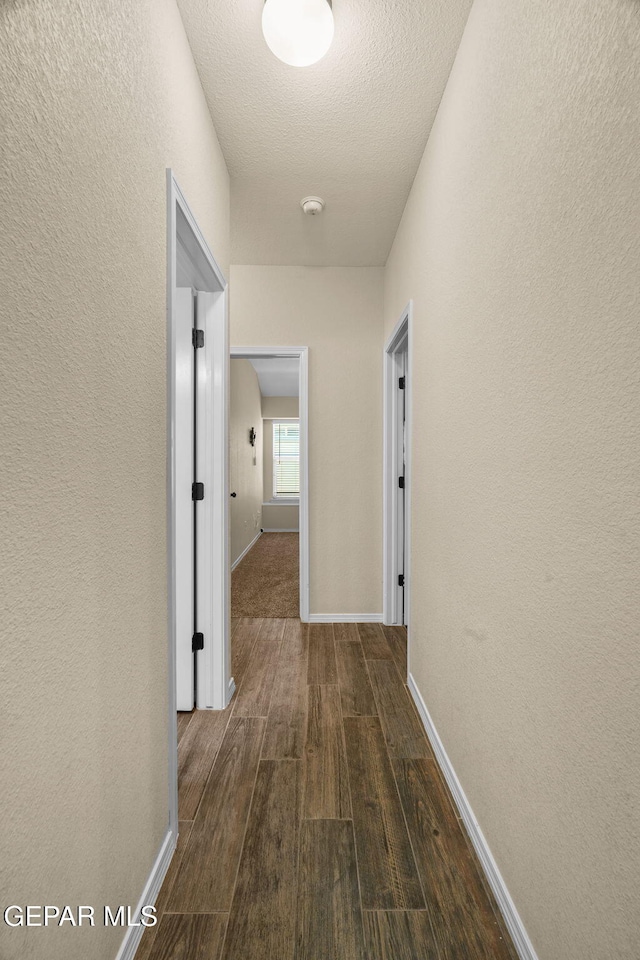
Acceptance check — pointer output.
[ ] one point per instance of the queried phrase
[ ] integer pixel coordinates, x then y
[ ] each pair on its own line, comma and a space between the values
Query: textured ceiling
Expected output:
277, 376
351, 128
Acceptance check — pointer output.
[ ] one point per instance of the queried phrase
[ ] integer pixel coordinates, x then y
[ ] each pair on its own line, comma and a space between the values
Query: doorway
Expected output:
397, 471
270, 514
197, 345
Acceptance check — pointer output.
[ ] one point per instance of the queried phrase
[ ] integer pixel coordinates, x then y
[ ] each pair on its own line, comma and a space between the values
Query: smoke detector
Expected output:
312, 205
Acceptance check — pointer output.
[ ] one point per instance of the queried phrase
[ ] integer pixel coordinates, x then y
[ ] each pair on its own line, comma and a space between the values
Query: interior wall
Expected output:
337, 313
274, 408
520, 247
280, 517
97, 100
245, 461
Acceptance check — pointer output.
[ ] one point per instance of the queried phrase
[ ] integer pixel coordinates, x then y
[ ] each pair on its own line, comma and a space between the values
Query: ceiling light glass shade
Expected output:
299, 32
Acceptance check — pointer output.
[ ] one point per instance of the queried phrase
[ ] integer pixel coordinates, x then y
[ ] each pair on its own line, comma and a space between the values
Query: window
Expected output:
286, 459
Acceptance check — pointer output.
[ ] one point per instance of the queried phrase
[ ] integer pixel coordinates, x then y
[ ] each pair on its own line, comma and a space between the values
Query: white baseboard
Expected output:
345, 618
245, 551
506, 905
279, 530
231, 689
132, 937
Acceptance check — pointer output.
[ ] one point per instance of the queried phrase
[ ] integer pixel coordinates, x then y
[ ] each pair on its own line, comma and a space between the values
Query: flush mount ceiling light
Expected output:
312, 205
298, 32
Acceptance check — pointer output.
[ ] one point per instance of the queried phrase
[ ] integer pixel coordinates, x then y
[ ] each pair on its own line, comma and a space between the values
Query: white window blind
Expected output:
286, 459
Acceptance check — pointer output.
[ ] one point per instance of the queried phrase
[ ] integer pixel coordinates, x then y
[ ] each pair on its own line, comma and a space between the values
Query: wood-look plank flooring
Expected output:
253, 697
326, 788
322, 654
196, 936
199, 747
396, 638
244, 634
262, 917
449, 872
329, 917
374, 642
403, 731
355, 686
148, 938
399, 935
206, 877
184, 719
315, 824
389, 878
287, 723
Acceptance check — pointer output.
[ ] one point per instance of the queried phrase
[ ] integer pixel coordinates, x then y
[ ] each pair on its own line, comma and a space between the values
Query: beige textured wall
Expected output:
280, 516
245, 461
96, 99
274, 407
337, 313
520, 245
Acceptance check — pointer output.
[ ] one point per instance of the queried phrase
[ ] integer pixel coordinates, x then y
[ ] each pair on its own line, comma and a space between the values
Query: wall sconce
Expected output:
252, 437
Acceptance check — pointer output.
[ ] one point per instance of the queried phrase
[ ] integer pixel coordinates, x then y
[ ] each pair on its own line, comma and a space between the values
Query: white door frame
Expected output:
401, 337
251, 353
191, 263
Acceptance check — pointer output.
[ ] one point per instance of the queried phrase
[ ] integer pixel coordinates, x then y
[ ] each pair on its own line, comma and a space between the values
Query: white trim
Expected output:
282, 502
246, 550
231, 688
402, 334
214, 593
132, 937
506, 905
303, 417
280, 530
345, 618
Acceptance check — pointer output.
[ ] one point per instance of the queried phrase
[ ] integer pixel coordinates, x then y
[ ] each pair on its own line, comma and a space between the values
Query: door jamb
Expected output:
187, 248
403, 331
248, 353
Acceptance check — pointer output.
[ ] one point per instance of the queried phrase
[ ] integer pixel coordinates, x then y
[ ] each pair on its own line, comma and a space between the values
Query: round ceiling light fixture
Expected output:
312, 205
298, 32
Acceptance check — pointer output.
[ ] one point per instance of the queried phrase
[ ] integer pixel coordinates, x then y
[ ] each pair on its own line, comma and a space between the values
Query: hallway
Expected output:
314, 823
467, 169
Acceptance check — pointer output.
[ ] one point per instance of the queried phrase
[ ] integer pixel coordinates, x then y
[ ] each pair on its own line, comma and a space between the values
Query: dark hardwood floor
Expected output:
314, 820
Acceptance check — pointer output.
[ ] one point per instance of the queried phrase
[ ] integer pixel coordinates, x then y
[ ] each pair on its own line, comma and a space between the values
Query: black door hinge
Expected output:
401, 383
197, 491
401, 482
401, 579
197, 338
197, 641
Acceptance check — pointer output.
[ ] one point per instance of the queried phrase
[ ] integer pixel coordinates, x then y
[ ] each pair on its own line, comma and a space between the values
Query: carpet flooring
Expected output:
266, 583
